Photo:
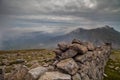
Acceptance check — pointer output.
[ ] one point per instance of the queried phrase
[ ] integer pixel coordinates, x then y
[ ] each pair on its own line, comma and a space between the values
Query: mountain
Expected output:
26, 41
97, 36
46, 40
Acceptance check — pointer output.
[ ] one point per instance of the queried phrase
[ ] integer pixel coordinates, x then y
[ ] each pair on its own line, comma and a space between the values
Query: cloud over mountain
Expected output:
62, 16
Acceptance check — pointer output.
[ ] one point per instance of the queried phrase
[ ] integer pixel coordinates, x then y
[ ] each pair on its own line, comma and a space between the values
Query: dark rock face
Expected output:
75, 61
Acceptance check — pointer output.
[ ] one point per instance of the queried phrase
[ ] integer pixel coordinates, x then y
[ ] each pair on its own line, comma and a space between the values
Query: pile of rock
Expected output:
75, 61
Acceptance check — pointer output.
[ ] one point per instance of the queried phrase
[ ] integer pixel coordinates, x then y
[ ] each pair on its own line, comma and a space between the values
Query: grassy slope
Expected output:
112, 68
43, 56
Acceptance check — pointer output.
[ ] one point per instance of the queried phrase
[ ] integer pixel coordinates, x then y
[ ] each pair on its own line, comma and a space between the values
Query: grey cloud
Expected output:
47, 6
83, 12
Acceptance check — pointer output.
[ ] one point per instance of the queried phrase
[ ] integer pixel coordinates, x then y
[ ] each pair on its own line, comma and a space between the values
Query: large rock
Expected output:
81, 49
35, 73
63, 46
68, 65
19, 73
69, 54
55, 75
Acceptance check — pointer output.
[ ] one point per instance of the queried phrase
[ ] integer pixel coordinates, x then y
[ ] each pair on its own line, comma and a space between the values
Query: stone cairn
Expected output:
75, 61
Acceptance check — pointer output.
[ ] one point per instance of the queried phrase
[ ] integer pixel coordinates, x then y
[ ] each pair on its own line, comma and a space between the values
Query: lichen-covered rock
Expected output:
63, 46
35, 73
76, 77
68, 65
81, 49
55, 75
69, 54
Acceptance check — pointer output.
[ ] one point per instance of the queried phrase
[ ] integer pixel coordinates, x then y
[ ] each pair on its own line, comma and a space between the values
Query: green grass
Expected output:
114, 62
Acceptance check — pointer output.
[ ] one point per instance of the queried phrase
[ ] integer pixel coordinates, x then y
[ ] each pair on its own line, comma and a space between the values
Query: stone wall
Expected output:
75, 61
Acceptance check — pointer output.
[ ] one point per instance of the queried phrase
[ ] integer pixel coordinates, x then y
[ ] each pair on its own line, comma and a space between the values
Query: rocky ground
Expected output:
21, 62
11, 59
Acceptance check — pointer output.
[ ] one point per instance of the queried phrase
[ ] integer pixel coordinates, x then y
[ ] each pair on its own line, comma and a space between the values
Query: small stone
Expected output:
81, 58
116, 68
76, 77
85, 78
105, 75
76, 41
50, 68
35, 65
89, 46
68, 65
55, 75
6, 76
110, 66
5, 62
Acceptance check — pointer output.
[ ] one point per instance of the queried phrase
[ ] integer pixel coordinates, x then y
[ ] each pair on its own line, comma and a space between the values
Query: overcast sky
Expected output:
20, 16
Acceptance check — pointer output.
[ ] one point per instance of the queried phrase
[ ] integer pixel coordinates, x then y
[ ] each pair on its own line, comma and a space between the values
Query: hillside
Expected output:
75, 58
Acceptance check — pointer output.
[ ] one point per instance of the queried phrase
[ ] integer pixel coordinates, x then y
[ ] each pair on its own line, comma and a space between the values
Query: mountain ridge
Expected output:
97, 36
38, 40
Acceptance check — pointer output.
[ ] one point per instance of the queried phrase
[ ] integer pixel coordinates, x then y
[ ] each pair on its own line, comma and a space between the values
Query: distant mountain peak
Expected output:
107, 27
